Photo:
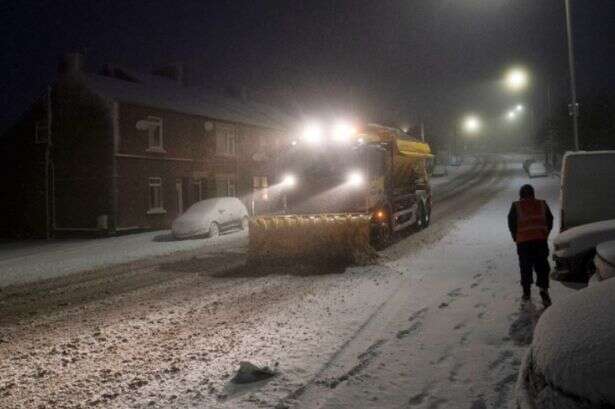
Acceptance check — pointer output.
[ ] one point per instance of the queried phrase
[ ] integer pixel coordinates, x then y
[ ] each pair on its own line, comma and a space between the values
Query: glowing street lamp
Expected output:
516, 79
511, 115
472, 124
519, 108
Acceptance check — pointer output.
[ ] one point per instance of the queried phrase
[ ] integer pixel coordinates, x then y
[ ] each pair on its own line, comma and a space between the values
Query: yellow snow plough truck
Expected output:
344, 193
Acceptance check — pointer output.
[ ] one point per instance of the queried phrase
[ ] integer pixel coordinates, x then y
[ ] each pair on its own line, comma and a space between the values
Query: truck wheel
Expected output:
383, 237
426, 216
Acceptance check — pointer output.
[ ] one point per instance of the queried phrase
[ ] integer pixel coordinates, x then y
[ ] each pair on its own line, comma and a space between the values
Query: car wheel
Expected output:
245, 223
214, 230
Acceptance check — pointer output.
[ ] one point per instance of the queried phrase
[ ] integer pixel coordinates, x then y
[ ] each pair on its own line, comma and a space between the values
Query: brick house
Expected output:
119, 151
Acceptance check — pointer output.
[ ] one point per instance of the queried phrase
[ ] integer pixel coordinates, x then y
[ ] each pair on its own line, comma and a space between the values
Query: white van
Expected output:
587, 212
588, 188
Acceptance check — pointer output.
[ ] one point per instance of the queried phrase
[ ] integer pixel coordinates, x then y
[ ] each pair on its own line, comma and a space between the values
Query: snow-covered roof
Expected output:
586, 236
155, 92
573, 345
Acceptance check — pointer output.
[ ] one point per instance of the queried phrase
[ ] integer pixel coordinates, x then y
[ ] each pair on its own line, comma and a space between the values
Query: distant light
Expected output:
355, 179
312, 134
472, 124
519, 108
511, 115
516, 79
361, 140
342, 132
289, 180
293, 143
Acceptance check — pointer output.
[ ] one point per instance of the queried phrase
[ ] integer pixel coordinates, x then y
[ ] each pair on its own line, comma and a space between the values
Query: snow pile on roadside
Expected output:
571, 357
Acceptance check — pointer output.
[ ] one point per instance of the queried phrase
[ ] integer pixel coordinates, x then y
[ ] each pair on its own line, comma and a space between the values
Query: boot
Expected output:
544, 294
527, 294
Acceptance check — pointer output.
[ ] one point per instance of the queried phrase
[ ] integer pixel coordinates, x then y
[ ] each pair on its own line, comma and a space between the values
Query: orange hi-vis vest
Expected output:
531, 220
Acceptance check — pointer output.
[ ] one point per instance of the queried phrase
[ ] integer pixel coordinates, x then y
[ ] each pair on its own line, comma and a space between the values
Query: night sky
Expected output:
393, 61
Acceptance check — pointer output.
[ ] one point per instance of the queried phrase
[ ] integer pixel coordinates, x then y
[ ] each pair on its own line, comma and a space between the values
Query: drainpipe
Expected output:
114, 174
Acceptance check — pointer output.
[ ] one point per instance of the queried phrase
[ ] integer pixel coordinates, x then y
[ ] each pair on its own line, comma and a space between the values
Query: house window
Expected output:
226, 139
225, 185
41, 132
154, 130
155, 195
197, 190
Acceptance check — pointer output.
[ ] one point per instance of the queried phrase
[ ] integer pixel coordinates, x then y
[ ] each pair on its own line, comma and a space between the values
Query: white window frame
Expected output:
226, 140
39, 128
155, 124
155, 206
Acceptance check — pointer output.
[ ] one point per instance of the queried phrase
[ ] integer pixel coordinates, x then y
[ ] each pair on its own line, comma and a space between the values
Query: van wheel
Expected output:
214, 230
245, 223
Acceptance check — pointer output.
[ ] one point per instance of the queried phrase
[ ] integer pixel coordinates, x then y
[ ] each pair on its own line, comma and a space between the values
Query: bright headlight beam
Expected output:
342, 132
312, 134
355, 179
289, 180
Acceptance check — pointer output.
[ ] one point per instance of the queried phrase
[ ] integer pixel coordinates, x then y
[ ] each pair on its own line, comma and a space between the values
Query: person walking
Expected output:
530, 221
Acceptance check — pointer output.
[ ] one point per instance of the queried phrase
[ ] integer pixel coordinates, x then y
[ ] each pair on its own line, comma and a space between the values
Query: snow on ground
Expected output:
436, 324
29, 261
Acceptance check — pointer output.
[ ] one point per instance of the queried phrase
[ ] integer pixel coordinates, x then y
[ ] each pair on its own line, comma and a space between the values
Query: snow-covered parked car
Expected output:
574, 249
587, 212
439, 170
210, 217
537, 169
605, 260
588, 181
456, 160
570, 363
526, 164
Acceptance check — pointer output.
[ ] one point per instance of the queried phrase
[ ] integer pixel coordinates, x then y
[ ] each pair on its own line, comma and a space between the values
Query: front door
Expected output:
179, 193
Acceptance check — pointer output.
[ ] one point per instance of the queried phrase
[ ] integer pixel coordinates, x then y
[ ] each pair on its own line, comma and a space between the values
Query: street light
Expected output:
516, 79
519, 108
472, 124
574, 106
511, 115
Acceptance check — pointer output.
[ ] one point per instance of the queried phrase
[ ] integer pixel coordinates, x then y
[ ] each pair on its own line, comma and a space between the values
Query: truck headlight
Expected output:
312, 134
289, 181
356, 179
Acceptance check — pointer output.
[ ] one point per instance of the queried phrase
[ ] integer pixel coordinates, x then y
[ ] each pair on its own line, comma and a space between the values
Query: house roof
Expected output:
159, 92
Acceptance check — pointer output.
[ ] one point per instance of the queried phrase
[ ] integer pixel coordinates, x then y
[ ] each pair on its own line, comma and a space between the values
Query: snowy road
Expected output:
436, 324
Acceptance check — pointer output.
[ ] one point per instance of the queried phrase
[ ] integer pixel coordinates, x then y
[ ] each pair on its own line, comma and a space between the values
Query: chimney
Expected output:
174, 72
71, 64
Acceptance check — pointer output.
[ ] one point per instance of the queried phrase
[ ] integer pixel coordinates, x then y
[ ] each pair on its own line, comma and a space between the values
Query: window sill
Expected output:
156, 150
157, 211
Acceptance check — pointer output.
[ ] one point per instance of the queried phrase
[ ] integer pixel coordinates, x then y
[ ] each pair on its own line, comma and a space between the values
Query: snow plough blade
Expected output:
324, 238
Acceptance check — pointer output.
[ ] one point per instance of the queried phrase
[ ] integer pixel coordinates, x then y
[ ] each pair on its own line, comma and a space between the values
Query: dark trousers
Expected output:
534, 256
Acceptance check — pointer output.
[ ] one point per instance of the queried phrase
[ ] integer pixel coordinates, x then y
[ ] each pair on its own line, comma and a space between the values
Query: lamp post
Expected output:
574, 106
